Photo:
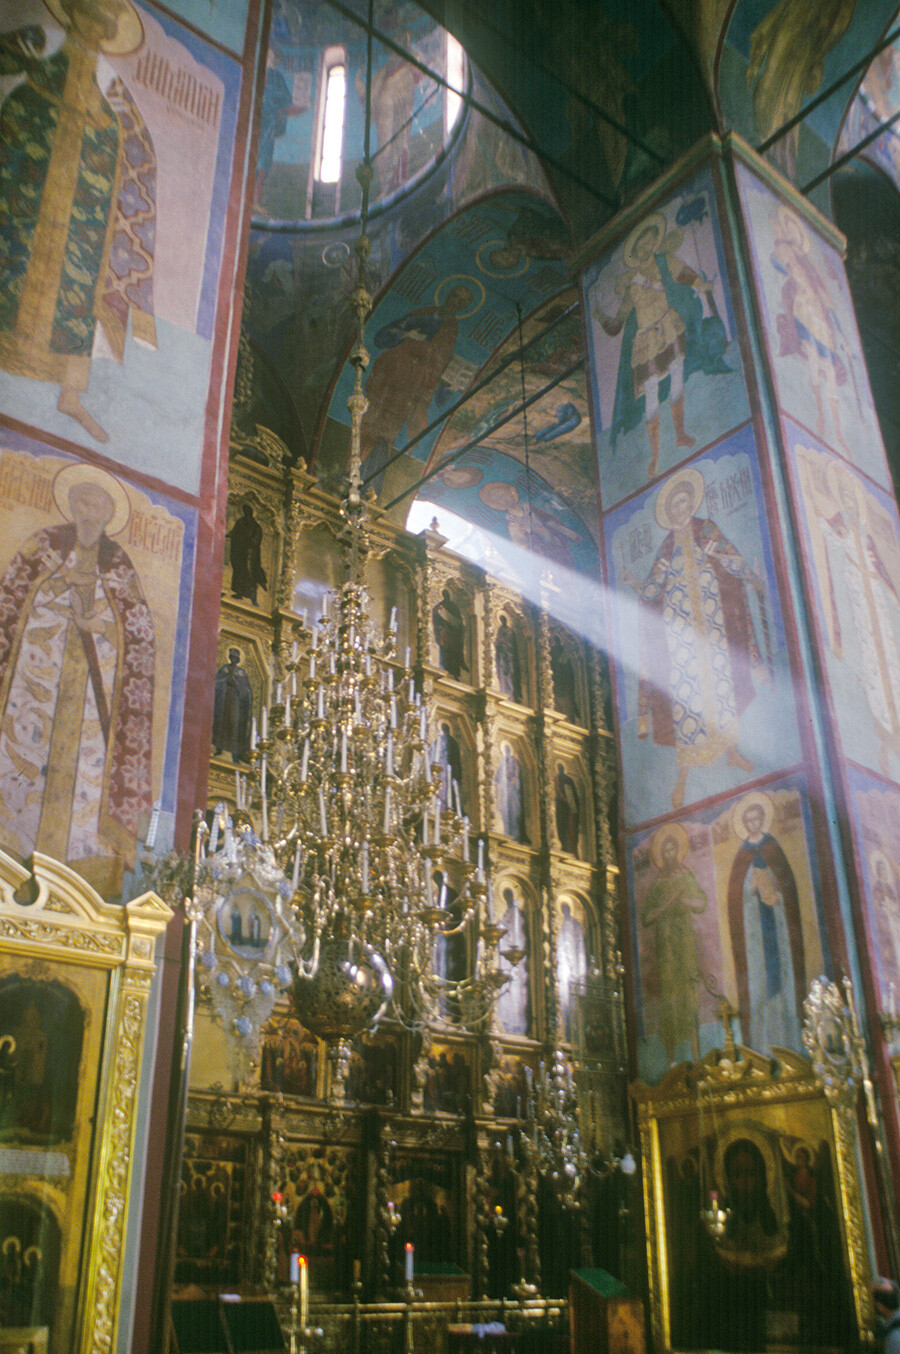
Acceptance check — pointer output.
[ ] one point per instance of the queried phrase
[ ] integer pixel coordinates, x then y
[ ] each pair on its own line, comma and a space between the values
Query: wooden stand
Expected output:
602, 1317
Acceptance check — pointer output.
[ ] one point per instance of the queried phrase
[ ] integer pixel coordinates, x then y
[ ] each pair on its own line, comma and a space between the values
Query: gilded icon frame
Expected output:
688, 1124
61, 943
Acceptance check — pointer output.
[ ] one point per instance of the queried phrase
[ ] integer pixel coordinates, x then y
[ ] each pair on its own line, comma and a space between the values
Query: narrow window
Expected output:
455, 75
332, 135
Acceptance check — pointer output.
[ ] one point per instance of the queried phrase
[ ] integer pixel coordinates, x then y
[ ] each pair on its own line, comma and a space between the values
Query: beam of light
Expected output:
614, 621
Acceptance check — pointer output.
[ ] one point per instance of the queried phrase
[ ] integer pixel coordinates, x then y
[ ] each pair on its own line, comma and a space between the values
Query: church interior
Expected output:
449, 675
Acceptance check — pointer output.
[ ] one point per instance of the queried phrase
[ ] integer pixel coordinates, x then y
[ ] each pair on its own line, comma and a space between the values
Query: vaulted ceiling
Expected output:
572, 109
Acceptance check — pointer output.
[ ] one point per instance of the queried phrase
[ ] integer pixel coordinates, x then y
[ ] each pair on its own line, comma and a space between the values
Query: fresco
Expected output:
410, 122
663, 351
807, 316
94, 601
852, 562
771, 52
113, 316
876, 823
724, 908
876, 102
703, 688
560, 451
446, 312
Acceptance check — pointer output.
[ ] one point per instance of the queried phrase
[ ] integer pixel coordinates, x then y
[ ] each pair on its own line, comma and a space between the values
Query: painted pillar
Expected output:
752, 556
124, 183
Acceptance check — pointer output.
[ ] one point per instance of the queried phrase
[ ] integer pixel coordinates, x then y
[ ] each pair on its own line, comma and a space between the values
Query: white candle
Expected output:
480, 859
343, 750
437, 822
295, 879
409, 1262
387, 810
321, 702
456, 799
304, 1292
214, 830
406, 663
312, 666
465, 837
253, 738
264, 722
422, 729
323, 820
278, 690
304, 765
390, 754
294, 652
295, 1267
393, 625
287, 710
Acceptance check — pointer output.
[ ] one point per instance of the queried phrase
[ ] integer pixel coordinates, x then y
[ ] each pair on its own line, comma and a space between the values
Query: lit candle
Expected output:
304, 1292
409, 1262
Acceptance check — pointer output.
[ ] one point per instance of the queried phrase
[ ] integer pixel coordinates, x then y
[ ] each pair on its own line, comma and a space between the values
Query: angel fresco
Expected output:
701, 662
665, 336
79, 199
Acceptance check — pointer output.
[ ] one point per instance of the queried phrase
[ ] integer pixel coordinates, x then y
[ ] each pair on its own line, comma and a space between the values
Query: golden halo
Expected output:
801, 1145
689, 479
655, 221
517, 268
507, 492
840, 477
662, 834
792, 229
463, 280
129, 34
757, 799
77, 474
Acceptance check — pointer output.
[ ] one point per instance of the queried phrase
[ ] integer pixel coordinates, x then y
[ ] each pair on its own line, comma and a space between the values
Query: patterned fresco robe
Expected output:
75, 705
699, 644
78, 207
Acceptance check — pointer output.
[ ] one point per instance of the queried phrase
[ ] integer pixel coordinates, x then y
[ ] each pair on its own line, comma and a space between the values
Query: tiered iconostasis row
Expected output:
416, 1138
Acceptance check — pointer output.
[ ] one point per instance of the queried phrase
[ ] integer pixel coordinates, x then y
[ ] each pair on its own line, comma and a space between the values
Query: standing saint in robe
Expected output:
700, 653
766, 931
77, 661
506, 660
853, 559
513, 1007
78, 198
672, 902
